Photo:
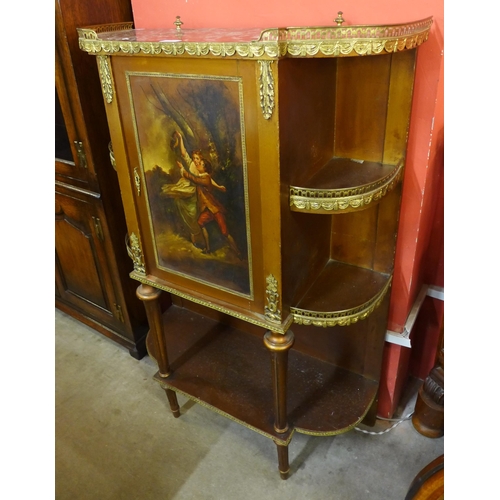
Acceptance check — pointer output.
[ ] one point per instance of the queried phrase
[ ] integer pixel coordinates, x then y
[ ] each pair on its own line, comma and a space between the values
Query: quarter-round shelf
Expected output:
341, 295
345, 185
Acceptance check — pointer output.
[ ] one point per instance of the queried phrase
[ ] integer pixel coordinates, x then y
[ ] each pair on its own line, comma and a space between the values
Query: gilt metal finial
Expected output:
339, 20
178, 23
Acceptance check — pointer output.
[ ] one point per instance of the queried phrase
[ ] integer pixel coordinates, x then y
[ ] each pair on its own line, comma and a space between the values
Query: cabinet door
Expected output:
73, 158
196, 164
83, 277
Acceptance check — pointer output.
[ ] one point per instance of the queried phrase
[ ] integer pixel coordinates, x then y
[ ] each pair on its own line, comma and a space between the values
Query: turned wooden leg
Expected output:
174, 405
283, 464
150, 296
279, 344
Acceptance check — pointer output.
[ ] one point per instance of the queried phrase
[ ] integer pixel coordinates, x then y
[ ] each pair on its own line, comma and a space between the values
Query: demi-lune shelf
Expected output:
229, 371
345, 185
342, 294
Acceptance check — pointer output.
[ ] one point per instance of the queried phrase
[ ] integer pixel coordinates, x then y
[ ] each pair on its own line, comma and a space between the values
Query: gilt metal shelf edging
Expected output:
340, 318
322, 41
325, 201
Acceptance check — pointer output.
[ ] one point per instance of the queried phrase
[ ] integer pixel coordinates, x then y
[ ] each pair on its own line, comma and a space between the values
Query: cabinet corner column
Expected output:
150, 297
279, 344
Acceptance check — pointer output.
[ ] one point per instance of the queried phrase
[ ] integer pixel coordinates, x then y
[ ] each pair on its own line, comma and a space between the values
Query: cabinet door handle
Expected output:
112, 156
98, 228
137, 180
119, 313
80, 151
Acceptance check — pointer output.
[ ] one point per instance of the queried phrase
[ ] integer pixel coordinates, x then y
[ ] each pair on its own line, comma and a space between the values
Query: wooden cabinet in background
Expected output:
261, 176
92, 265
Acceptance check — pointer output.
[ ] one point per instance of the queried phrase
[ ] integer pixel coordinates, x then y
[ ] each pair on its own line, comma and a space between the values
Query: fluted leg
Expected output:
278, 345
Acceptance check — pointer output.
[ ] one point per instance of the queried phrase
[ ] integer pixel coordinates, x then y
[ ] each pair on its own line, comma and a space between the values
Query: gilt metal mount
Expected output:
339, 19
178, 23
272, 311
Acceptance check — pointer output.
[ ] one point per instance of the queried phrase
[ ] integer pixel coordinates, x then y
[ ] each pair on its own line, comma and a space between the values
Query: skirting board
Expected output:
403, 338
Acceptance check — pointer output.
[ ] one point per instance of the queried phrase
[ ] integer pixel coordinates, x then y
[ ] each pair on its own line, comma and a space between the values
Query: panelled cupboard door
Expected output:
175, 115
82, 268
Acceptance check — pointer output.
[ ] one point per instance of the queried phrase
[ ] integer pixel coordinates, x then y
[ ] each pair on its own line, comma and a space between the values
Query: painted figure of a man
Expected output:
210, 209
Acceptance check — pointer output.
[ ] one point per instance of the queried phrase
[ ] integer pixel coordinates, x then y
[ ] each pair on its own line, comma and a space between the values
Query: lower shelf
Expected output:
229, 371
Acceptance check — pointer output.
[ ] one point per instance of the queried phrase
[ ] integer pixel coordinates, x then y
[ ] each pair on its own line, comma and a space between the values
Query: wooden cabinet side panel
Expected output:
387, 230
368, 238
354, 236
361, 107
375, 336
306, 134
373, 109
357, 347
307, 89
399, 103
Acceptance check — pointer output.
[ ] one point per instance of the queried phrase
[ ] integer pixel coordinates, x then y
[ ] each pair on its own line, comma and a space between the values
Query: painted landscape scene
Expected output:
190, 138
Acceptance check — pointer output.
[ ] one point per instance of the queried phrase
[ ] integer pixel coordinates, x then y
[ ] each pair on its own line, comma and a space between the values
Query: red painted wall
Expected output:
419, 257
268, 14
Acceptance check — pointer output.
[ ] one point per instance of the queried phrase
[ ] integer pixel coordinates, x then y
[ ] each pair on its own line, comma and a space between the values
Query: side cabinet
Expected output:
92, 265
261, 175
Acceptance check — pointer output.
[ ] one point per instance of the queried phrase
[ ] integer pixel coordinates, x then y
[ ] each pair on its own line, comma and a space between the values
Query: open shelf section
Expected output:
345, 185
229, 371
341, 295
323, 399
225, 369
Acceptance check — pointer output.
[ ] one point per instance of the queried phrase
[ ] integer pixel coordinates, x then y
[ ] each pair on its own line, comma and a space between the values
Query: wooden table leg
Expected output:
279, 344
174, 405
283, 464
150, 297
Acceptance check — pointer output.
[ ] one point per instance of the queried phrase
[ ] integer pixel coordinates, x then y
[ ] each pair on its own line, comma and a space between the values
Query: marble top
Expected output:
315, 41
206, 35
